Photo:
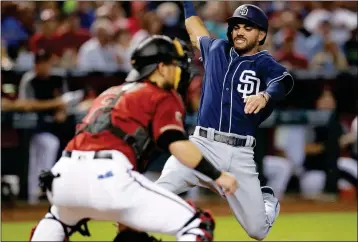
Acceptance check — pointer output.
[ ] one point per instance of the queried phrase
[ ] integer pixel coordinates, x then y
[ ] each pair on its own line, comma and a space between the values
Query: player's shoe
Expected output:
267, 189
268, 192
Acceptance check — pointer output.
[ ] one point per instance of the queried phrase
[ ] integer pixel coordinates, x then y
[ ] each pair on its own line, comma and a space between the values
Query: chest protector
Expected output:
140, 140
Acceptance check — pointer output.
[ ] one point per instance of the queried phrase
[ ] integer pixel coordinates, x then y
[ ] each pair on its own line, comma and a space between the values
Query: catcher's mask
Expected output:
151, 52
248, 14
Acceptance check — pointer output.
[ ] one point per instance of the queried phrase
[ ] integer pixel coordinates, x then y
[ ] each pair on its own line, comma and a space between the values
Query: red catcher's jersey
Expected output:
144, 104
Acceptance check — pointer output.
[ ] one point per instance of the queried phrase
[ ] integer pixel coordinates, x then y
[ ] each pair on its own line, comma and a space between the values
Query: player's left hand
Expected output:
255, 103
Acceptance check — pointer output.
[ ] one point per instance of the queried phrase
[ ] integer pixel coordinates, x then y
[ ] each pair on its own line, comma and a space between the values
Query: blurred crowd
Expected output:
100, 36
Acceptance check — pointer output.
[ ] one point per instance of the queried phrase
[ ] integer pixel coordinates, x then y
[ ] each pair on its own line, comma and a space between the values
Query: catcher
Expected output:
98, 177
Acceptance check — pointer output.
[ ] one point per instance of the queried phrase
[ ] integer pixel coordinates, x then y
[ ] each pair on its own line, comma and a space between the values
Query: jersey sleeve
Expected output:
168, 116
279, 81
205, 42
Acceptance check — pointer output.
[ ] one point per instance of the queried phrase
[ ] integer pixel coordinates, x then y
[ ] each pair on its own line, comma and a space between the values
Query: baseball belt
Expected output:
97, 155
230, 140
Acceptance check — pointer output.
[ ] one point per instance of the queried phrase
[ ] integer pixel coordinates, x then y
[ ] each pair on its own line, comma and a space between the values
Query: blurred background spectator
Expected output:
86, 45
99, 53
172, 26
302, 34
287, 54
45, 36
151, 24
44, 145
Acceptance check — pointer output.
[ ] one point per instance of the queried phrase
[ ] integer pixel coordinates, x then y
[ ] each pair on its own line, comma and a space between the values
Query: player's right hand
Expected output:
227, 182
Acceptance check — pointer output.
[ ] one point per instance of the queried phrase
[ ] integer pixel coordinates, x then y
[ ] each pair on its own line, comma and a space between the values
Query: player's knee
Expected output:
199, 228
257, 230
256, 233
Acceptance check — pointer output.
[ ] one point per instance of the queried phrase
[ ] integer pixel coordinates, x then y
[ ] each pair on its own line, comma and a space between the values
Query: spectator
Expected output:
103, 12
70, 39
151, 25
44, 145
21, 55
25, 59
135, 21
268, 45
50, 5
287, 55
215, 16
99, 52
45, 39
316, 42
289, 22
312, 181
342, 21
169, 13
330, 58
123, 38
86, 14
351, 49
117, 15
6, 62
99, 4
26, 13
301, 10
114, 12
12, 29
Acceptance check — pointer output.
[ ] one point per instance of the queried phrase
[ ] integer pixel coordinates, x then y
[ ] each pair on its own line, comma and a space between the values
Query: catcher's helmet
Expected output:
152, 51
251, 14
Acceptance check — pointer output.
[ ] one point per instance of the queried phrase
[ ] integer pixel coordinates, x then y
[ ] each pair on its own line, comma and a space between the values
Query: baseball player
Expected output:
240, 87
98, 177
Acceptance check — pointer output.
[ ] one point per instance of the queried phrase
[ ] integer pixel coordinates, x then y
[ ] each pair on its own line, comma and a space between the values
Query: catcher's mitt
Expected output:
129, 235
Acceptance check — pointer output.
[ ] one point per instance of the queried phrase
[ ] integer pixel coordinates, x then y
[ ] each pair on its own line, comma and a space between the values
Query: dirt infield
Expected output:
24, 212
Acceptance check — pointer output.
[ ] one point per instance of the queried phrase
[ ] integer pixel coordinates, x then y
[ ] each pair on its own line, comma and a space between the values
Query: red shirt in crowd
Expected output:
293, 59
59, 42
145, 105
71, 40
39, 41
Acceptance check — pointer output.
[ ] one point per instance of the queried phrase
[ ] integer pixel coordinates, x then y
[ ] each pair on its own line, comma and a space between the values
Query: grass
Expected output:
298, 227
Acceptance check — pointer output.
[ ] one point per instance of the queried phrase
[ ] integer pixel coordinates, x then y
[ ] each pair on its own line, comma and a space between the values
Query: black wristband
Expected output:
208, 169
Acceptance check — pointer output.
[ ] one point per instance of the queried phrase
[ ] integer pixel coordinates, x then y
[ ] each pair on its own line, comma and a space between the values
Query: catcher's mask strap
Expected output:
178, 47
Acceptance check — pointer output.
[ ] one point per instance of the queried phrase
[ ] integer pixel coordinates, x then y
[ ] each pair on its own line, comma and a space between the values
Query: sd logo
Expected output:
249, 83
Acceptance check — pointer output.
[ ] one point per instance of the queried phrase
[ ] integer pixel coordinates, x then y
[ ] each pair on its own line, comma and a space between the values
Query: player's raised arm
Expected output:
194, 25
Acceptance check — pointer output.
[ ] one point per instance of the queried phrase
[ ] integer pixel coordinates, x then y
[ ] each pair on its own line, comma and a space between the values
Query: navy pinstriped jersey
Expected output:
228, 79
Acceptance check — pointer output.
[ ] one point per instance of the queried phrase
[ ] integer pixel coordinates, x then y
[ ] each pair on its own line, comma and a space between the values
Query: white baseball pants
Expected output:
109, 190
